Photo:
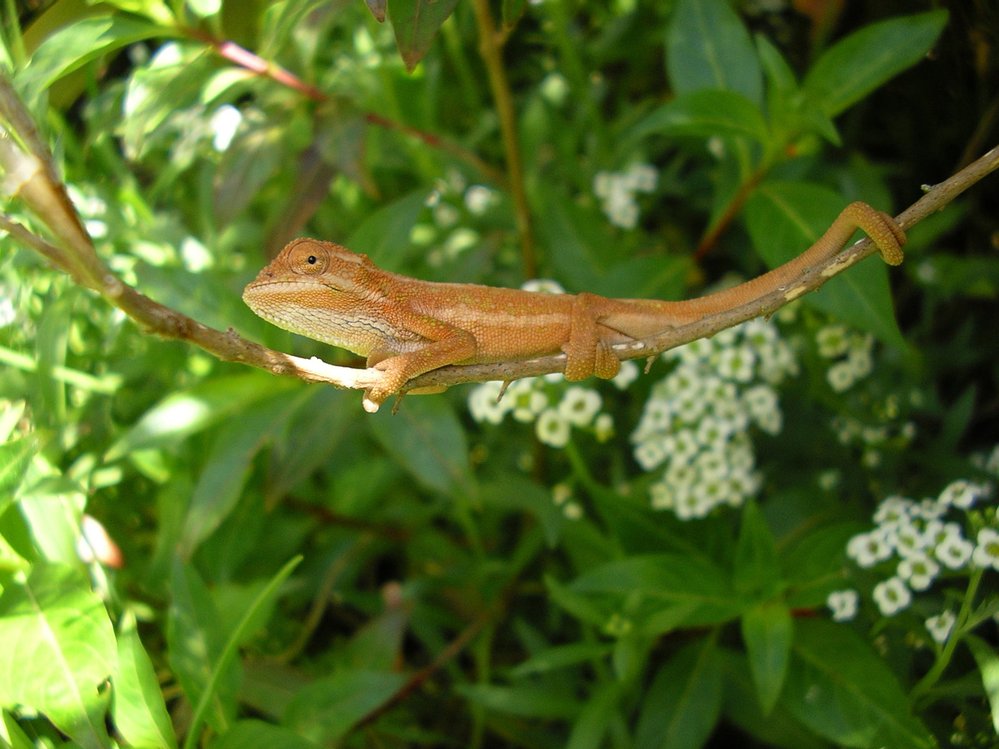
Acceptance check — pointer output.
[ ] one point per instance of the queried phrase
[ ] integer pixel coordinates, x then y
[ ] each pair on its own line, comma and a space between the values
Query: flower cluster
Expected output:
617, 191
852, 352
917, 542
454, 206
697, 419
553, 408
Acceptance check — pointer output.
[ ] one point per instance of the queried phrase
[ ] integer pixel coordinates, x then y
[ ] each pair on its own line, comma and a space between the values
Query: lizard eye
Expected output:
310, 260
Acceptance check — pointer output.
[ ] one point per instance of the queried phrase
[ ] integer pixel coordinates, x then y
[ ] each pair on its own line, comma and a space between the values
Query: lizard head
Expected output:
309, 287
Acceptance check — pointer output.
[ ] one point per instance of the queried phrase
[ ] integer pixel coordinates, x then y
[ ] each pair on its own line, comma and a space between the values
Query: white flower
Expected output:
954, 551
918, 571
961, 494
832, 341
626, 375
526, 402
840, 376
861, 362
736, 363
478, 199
843, 604
552, 429
891, 596
650, 453
867, 549
940, 626
579, 405
641, 178
484, 403
445, 215
603, 427
893, 510
986, 553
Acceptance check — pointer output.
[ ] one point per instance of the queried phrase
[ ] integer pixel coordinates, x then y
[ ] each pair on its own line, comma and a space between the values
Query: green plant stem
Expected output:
932, 676
491, 49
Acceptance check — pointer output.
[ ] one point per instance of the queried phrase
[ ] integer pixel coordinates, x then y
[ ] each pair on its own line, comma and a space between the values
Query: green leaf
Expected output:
384, 234
256, 154
15, 456
426, 438
224, 672
988, 666
705, 113
227, 467
561, 656
524, 700
708, 46
140, 715
74, 46
196, 634
696, 590
325, 710
258, 733
185, 412
786, 218
595, 717
683, 702
841, 689
65, 652
863, 61
741, 707
767, 630
154, 10
415, 23
756, 566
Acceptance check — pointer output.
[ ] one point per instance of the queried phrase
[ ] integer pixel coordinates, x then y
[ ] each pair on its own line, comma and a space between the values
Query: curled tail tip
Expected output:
890, 243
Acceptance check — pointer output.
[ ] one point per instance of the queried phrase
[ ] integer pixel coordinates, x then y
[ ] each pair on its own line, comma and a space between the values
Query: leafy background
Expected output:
294, 572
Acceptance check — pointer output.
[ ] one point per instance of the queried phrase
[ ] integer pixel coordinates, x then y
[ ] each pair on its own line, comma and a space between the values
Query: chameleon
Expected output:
406, 326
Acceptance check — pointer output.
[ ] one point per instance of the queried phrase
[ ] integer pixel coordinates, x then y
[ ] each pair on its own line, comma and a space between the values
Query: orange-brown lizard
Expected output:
406, 327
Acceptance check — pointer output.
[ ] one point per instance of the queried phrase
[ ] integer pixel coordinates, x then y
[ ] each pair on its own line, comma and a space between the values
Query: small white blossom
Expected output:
552, 428
603, 427
478, 199
485, 405
893, 511
962, 494
445, 215
626, 375
843, 604
867, 549
840, 376
832, 341
736, 363
891, 596
986, 552
579, 405
954, 551
940, 626
918, 571
527, 402
650, 454
641, 177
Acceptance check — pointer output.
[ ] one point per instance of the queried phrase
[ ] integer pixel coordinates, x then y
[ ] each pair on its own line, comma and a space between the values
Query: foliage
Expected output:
192, 552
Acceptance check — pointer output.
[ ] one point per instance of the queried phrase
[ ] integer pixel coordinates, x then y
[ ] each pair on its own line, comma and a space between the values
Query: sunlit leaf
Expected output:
62, 630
